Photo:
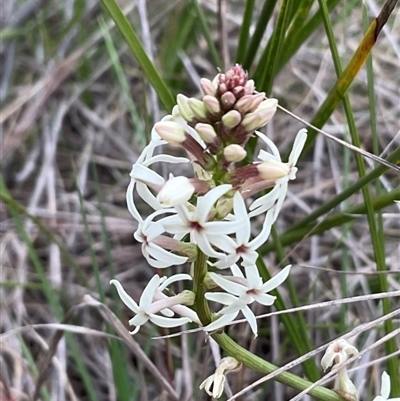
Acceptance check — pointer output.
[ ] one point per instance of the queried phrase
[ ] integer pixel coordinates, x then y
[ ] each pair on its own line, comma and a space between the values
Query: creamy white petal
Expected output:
277, 280
173, 279
265, 202
223, 242
270, 144
327, 359
264, 234
221, 322
163, 321
249, 315
385, 385
224, 263
298, 146
236, 271
264, 299
205, 203
220, 297
125, 298
167, 312
146, 175
166, 159
147, 296
202, 242
157, 252
243, 230
227, 285
130, 202
220, 227
139, 320
254, 279
145, 193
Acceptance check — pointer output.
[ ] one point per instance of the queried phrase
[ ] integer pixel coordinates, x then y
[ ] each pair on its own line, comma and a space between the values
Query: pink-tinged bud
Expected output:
198, 108
231, 119
238, 91
206, 132
268, 106
272, 169
228, 99
207, 87
184, 108
257, 119
251, 122
249, 87
249, 103
176, 190
211, 104
234, 153
170, 131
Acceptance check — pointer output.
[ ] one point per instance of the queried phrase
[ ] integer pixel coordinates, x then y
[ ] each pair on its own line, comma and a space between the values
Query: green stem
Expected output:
244, 356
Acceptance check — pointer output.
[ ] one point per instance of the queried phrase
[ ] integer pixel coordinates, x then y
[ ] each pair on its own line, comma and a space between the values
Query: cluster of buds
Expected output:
210, 209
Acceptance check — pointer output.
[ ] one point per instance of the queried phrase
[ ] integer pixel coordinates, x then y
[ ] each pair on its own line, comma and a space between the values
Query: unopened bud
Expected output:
170, 131
257, 119
184, 108
234, 153
272, 169
207, 87
176, 190
231, 119
267, 109
249, 103
211, 104
228, 99
206, 132
249, 87
198, 108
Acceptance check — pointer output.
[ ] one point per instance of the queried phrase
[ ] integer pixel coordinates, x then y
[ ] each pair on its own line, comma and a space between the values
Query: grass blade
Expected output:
137, 49
244, 31
345, 79
262, 23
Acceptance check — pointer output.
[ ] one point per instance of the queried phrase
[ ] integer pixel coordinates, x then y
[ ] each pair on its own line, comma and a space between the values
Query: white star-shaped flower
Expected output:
148, 231
143, 177
242, 247
385, 390
194, 220
148, 309
285, 172
240, 292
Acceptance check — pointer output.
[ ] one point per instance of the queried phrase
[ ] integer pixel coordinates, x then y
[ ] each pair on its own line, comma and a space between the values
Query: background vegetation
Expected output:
77, 108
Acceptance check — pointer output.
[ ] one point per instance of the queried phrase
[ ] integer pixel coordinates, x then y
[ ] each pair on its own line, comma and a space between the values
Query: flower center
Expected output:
196, 226
241, 249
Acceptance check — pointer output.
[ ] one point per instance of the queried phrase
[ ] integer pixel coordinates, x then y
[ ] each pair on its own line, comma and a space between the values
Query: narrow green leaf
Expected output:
244, 31
345, 79
137, 49
137, 123
206, 32
394, 157
265, 72
336, 220
261, 26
